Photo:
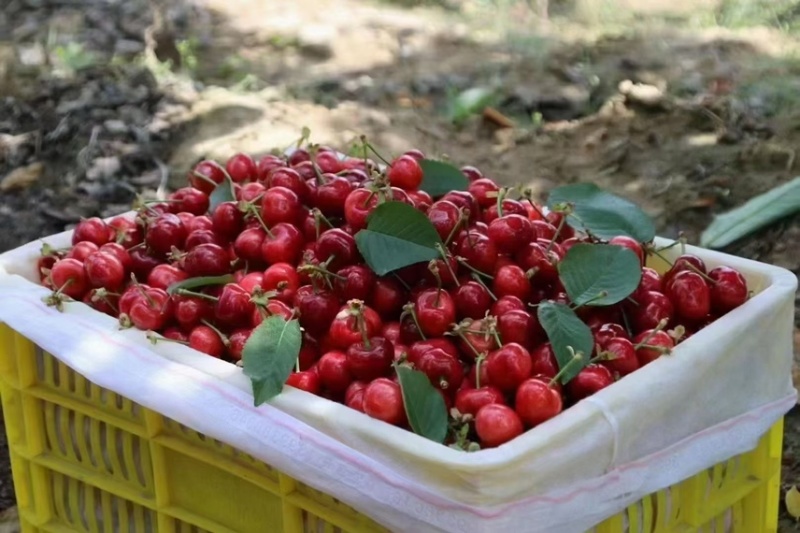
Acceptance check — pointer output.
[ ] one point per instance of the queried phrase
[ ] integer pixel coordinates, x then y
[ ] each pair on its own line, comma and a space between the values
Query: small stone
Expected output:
315, 41
115, 126
22, 178
643, 94
103, 168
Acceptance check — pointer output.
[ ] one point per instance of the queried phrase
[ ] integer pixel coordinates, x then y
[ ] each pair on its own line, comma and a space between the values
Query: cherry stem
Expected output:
222, 336
661, 325
187, 292
403, 283
626, 322
478, 362
501, 195
462, 217
253, 210
319, 217
558, 232
443, 253
374, 151
673, 244
689, 266
576, 359
460, 332
528, 195
600, 295
662, 349
463, 262
203, 177
155, 339
408, 310
478, 279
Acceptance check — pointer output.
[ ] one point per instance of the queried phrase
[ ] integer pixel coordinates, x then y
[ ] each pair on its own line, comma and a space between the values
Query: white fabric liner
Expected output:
711, 399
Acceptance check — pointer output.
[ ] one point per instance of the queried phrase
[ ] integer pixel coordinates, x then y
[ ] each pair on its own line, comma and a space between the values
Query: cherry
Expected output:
472, 300
354, 322
391, 330
383, 400
331, 197
82, 250
175, 334
405, 172
205, 339
511, 232
511, 280
544, 230
236, 342
608, 331
202, 236
334, 372
164, 275
166, 231
206, 175
555, 218
248, 245
536, 258
470, 401
728, 289
273, 307
306, 380
478, 339
190, 310
354, 395
444, 370
651, 281
652, 308
118, 251
280, 204
206, 260
241, 168
151, 310
338, 246
142, 263
268, 163
631, 244
69, 276
508, 366
471, 173
328, 161
435, 312
497, 424
688, 262
104, 270
622, 356
370, 359
445, 217
251, 192
590, 380
509, 207
94, 230
520, 327
543, 361
654, 345
421, 347
479, 251
198, 224
102, 301
317, 309
422, 200
309, 352
283, 244
690, 295
283, 278
536, 401
484, 191
234, 308
505, 304
354, 282
227, 220
189, 200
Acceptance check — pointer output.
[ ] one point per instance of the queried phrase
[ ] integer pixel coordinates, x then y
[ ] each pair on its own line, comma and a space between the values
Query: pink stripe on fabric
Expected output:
397, 481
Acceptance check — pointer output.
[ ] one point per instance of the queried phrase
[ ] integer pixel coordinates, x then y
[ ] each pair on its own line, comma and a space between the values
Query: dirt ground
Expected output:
89, 117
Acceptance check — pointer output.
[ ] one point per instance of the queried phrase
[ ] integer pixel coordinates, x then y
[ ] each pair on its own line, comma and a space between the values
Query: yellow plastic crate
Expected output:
87, 459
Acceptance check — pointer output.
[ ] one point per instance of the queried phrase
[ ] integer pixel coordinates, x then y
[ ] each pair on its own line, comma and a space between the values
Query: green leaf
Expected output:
470, 102
439, 178
565, 330
589, 270
397, 235
201, 281
269, 356
425, 407
222, 193
757, 213
602, 213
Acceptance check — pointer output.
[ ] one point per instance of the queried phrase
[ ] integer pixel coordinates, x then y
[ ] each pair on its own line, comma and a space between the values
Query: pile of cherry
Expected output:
467, 320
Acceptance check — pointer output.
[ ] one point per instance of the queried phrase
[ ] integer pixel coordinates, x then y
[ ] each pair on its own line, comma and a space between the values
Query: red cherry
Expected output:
689, 294
190, 310
383, 400
164, 275
188, 200
631, 244
175, 334
535, 257
651, 281
590, 380
608, 331
511, 232
205, 339
508, 366
206, 175
444, 216
166, 231
435, 311
472, 300
536, 401
126, 232
283, 278
94, 230
151, 310
387, 297
554, 218
464, 201
728, 289
405, 172
248, 245
331, 197
354, 282
651, 351
334, 372
484, 191
268, 163
652, 308
471, 173
505, 304
345, 330
544, 362
520, 327
142, 263
421, 347
305, 380
198, 224
317, 309
241, 168
236, 343
480, 340
510, 207
280, 204
688, 262
544, 230
251, 192
234, 308
470, 401
250, 282
206, 260
370, 361
102, 301
479, 251
283, 244
82, 250
69, 276
338, 246
328, 161
444, 370
497, 424
354, 395
511, 280
422, 200
622, 358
